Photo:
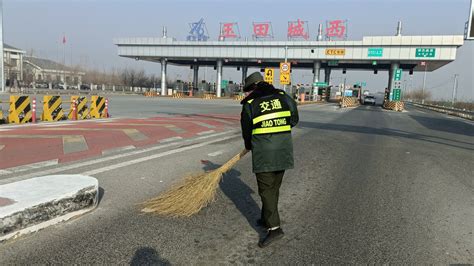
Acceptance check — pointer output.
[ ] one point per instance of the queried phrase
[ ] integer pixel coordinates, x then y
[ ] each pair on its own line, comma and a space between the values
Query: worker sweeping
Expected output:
268, 114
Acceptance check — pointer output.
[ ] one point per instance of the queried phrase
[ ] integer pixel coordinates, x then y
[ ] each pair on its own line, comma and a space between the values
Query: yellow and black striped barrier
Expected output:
178, 95
52, 108
20, 109
239, 97
209, 96
150, 94
98, 108
81, 108
2, 120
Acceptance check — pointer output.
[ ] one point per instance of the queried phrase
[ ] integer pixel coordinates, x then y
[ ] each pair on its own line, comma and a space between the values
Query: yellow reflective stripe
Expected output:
250, 101
268, 130
282, 93
271, 116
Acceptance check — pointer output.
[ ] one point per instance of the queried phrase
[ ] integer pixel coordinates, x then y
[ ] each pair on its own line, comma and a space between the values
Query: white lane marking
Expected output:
56, 125
1, 147
5, 129
155, 156
27, 167
105, 159
214, 154
199, 123
170, 139
205, 132
124, 148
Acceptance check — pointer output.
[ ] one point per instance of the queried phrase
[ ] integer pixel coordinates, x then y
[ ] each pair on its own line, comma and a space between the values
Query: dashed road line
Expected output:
214, 154
27, 167
199, 123
205, 132
119, 149
170, 139
74, 144
155, 156
109, 158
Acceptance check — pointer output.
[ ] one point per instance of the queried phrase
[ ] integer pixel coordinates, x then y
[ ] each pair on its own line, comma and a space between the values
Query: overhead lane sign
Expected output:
375, 52
337, 52
425, 52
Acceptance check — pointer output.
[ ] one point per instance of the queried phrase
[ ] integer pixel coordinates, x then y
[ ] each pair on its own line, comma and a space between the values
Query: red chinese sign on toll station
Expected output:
336, 29
230, 30
262, 30
298, 29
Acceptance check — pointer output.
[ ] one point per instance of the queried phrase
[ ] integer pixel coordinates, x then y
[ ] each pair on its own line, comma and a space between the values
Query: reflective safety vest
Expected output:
270, 114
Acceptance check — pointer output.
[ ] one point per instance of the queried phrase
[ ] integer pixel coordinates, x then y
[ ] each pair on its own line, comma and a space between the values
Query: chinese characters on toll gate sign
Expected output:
230, 30
298, 29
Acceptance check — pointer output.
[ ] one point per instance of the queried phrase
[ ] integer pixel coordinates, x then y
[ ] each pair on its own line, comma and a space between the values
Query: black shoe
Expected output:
261, 223
271, 237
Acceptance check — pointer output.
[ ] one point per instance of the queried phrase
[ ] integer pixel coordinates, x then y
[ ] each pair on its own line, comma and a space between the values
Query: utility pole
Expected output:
286, 61
455, 86
424, 83
2, 66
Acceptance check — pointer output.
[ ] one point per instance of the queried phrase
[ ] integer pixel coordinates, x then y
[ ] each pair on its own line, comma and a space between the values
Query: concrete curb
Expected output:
447, 111
33, 204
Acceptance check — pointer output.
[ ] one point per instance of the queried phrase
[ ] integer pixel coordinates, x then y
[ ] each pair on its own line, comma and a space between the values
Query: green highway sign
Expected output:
425, 52
361, 83
397, 95
398, 74
375, 52
320, 84
224, 84
333, 63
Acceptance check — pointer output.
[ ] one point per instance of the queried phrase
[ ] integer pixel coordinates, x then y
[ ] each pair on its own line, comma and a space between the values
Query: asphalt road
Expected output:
369, 186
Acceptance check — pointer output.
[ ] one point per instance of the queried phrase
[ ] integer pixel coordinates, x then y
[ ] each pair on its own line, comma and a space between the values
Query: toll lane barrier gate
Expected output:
99, 107
20, 110
52, 108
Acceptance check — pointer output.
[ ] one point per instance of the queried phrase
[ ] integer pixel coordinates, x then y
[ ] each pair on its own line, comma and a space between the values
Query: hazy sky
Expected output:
91, 25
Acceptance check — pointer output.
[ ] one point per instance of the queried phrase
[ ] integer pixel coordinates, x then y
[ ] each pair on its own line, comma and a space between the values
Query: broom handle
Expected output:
229, 164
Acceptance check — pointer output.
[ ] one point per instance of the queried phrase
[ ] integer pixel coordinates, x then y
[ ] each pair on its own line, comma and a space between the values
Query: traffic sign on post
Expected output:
269, 73
224, 83
320, 84
285, 79
398, 74
285, 68
397, 95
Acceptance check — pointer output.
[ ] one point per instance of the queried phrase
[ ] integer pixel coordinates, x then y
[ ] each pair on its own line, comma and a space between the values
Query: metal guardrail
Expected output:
447, 110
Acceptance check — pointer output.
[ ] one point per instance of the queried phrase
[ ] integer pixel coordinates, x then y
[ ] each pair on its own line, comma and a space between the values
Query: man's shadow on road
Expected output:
239, 193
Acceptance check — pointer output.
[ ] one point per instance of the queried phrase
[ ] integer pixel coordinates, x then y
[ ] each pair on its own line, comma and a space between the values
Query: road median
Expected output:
30, 205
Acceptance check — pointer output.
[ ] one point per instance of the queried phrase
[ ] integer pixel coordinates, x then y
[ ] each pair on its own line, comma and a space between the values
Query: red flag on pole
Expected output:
64, 39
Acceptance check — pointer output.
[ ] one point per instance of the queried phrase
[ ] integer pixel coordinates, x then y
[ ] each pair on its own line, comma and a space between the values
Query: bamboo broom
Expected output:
190, 196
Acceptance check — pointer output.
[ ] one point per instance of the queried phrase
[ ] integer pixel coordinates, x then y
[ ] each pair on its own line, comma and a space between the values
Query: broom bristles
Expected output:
190, 196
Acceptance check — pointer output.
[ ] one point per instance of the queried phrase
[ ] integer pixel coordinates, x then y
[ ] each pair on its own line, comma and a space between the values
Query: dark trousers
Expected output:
269, 190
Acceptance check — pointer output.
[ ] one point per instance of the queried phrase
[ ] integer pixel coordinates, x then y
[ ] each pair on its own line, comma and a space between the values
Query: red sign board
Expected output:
230, 30
262, 30
298, 29
336, 29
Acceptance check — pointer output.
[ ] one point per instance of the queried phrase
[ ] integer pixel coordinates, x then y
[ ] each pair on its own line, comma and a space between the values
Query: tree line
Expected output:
122, 77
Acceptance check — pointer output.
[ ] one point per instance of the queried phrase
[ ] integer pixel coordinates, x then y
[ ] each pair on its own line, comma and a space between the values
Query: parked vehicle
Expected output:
85, 87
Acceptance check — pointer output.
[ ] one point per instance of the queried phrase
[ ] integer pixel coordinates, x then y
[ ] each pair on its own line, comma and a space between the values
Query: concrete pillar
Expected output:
113, 87
316, 77
391, 74
163, 77
219, 78
244, 73
195, 76
327, 75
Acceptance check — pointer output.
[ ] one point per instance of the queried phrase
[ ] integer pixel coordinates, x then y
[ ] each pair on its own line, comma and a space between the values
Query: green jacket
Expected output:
270, 151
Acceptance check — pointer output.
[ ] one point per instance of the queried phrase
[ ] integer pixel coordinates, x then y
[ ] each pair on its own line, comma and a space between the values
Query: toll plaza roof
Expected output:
375, 52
